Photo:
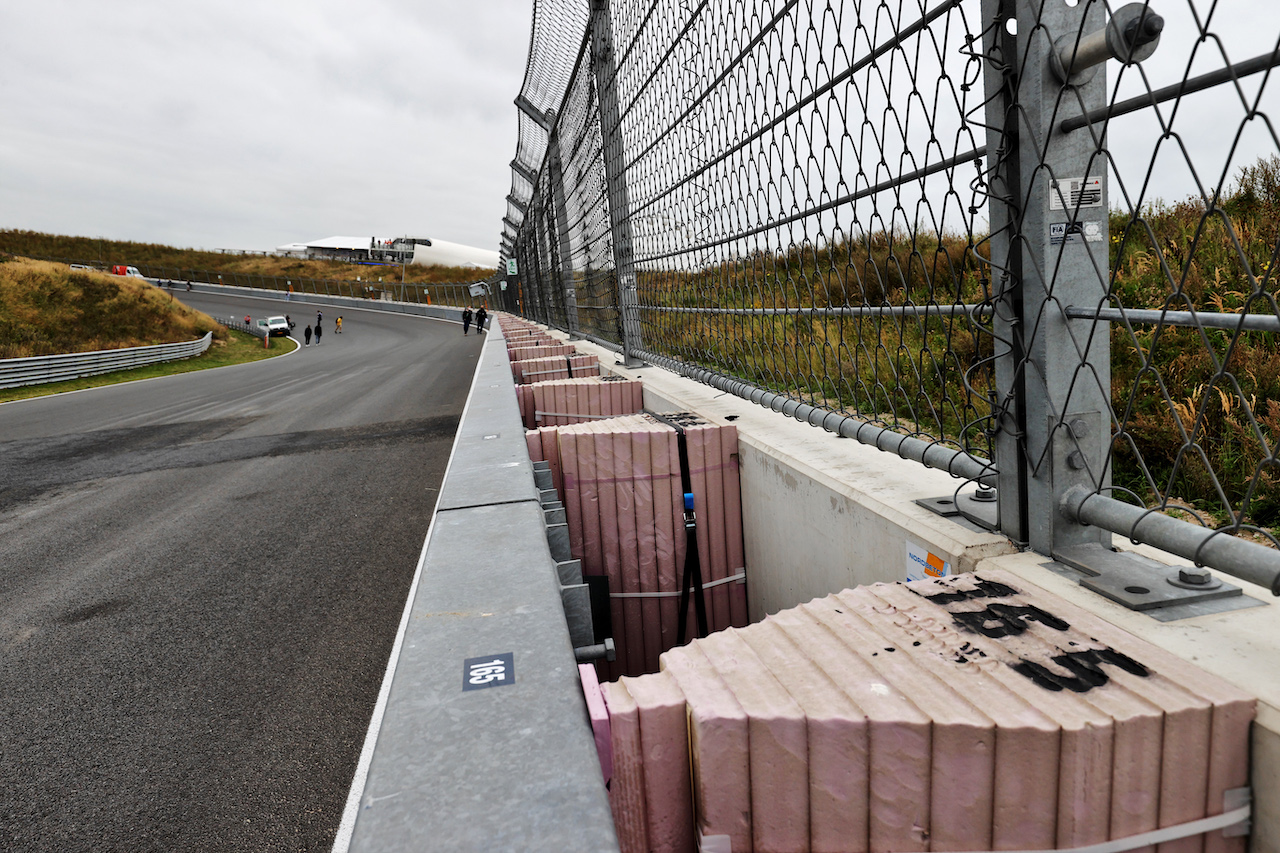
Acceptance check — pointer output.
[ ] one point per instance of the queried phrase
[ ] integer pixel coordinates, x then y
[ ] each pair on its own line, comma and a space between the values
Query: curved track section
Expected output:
202, 578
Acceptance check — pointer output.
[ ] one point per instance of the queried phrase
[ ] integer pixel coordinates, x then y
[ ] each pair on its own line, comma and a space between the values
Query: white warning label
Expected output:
1073, 193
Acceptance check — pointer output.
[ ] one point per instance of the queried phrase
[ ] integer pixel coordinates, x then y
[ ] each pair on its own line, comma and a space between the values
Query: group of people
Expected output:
307, 333
480, 316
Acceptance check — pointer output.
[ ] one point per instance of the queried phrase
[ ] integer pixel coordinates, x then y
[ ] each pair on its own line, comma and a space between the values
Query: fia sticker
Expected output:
1074, 232
1073, 193
922, 563
489, 671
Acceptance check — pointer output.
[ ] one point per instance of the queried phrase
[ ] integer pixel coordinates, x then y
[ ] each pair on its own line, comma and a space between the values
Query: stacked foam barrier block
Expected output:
544, 350
570, 401
556, 367
976, 712
620, 479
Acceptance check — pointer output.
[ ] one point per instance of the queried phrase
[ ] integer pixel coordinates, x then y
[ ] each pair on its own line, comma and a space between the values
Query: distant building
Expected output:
400, 250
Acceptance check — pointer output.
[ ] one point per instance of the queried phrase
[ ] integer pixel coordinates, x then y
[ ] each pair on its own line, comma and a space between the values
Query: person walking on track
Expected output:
480, 318
307, 334
466, 319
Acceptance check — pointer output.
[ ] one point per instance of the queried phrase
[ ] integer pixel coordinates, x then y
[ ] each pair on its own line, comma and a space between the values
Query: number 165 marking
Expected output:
488, 671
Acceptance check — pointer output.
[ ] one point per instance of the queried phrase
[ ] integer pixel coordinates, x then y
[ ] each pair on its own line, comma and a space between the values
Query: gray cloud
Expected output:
236, 125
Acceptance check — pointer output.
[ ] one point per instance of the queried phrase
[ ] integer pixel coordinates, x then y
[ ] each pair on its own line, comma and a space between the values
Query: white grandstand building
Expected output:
408, 250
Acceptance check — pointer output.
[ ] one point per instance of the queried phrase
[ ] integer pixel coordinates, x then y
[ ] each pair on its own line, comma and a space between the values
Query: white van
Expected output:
276, 326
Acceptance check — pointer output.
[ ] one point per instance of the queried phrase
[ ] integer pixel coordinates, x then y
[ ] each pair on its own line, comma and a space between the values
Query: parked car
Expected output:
277, 326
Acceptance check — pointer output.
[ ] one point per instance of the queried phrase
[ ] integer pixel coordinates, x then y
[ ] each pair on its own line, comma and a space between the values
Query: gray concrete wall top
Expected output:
500, 765
490, 458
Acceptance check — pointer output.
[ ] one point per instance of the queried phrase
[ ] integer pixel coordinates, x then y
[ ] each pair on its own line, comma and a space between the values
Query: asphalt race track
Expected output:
201, 578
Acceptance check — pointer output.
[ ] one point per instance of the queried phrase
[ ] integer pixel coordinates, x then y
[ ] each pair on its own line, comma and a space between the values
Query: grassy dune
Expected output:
1198, 411
109, 252
46, 309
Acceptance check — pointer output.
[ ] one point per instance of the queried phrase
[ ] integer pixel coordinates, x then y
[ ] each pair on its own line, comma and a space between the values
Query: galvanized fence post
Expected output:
1049, 251
564, 249
604, 67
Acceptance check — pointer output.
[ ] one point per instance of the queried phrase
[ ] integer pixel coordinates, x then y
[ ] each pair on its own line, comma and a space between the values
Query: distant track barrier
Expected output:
40, 369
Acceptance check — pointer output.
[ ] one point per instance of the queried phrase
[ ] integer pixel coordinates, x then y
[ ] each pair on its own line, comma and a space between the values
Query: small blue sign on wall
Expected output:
489, 671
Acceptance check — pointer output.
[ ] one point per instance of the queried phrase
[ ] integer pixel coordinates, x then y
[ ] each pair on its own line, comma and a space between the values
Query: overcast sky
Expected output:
231, 124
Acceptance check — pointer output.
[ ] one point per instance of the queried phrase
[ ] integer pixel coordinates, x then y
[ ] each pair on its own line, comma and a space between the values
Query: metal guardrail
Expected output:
241, 326
40, 369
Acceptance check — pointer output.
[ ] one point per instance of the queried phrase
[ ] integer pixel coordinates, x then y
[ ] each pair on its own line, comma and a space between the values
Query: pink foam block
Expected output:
551, 452
664, 735
718, 746
1150, 795
627, 787
963, 748
778, 744
625, 635
646, 544
589, 495
666, 527
628, 552
729, 456
1088, 733
837, 741
533, 442
899, 738
706, 464
570, 402
1232, 709
571, 477
598, 711
1025, 797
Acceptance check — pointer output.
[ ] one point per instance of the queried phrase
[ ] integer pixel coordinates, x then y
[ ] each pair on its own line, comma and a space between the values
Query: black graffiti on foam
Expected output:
1006, 620
1082, 670
984, 589
1085, 668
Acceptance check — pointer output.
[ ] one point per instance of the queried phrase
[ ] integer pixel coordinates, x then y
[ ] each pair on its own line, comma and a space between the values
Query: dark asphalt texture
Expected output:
201, 578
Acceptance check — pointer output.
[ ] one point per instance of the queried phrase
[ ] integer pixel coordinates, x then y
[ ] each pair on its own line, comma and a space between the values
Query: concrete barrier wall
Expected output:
483, 741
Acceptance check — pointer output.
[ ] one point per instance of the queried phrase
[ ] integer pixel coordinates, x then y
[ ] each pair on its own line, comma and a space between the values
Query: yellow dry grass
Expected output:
46, 308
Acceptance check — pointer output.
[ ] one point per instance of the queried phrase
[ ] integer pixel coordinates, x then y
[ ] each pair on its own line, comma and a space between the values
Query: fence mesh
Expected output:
934, 218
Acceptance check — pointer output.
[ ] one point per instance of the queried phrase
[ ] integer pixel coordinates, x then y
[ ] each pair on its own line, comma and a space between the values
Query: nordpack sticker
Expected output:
1073, 193
922, 563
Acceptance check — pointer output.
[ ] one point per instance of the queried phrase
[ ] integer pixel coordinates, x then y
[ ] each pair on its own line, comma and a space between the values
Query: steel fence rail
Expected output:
41, 369
1035, 241
931, 454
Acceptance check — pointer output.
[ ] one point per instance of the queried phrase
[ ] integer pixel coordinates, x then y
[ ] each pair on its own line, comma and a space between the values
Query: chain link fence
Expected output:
1031, 242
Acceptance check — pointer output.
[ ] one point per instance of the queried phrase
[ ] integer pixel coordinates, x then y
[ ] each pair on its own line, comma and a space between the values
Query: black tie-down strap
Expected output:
691, 581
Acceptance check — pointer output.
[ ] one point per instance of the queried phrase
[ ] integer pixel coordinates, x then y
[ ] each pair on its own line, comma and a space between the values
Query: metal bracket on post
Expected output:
1132, 35
604, 66
519, 169
1162, 591
979, 506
